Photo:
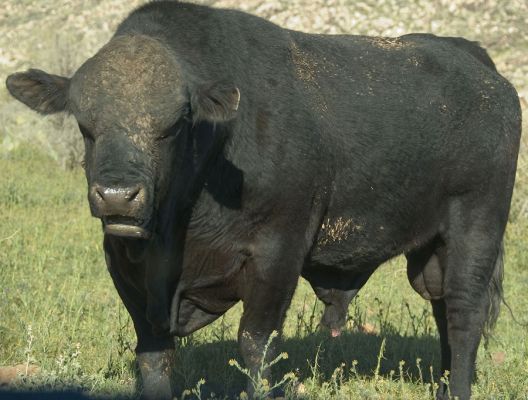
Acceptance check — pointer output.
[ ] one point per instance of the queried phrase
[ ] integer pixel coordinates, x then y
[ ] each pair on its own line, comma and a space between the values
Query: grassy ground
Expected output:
60, 312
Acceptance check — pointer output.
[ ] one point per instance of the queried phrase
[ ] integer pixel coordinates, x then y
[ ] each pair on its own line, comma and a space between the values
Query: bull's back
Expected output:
410, 122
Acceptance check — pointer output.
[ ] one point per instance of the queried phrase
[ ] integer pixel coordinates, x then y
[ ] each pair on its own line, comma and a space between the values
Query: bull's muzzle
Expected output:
121, 209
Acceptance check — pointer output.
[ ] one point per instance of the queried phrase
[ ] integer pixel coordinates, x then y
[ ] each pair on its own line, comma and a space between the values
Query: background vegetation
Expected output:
60, 318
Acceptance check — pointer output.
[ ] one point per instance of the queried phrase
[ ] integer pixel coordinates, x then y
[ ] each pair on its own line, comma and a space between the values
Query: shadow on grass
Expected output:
317, 353
45, 395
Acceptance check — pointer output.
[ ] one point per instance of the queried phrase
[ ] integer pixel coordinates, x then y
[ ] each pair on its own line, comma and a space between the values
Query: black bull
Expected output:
227, 156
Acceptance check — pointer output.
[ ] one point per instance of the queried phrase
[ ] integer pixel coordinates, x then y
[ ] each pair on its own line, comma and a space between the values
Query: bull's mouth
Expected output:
125, 227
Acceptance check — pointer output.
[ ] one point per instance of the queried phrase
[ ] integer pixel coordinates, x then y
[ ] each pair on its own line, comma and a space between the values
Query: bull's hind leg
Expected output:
425, 270
460, 272
418, 264
470, 285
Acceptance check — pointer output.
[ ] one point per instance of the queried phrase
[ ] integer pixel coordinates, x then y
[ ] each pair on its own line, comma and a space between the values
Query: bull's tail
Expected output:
495, 293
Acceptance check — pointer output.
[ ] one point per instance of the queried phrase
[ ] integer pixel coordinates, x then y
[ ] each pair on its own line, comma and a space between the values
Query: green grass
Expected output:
60, 311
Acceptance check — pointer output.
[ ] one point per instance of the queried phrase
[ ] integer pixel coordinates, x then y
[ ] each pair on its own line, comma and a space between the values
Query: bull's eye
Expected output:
86, 133
172, 132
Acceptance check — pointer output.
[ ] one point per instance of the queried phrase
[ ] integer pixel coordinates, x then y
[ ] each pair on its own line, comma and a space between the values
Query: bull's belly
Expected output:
354, 248
351, 255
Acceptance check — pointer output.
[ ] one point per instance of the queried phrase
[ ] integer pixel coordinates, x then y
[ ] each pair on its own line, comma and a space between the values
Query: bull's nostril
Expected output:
132, 193
99, 194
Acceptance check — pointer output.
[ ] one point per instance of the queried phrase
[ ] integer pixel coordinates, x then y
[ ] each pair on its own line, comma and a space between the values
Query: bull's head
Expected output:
133, 101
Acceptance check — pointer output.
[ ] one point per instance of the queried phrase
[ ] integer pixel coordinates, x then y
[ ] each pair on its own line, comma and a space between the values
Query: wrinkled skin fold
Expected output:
226, 157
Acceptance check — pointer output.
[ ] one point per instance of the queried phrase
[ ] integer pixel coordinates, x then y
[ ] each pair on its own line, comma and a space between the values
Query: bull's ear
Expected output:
40, 91
216, 102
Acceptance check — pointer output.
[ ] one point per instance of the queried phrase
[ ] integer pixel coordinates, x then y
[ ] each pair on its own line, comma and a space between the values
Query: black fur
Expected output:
257, 154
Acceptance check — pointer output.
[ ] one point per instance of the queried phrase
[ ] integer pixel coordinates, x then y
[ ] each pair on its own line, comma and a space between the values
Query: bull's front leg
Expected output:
154, 352
268, 286
159, 278
155, 366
